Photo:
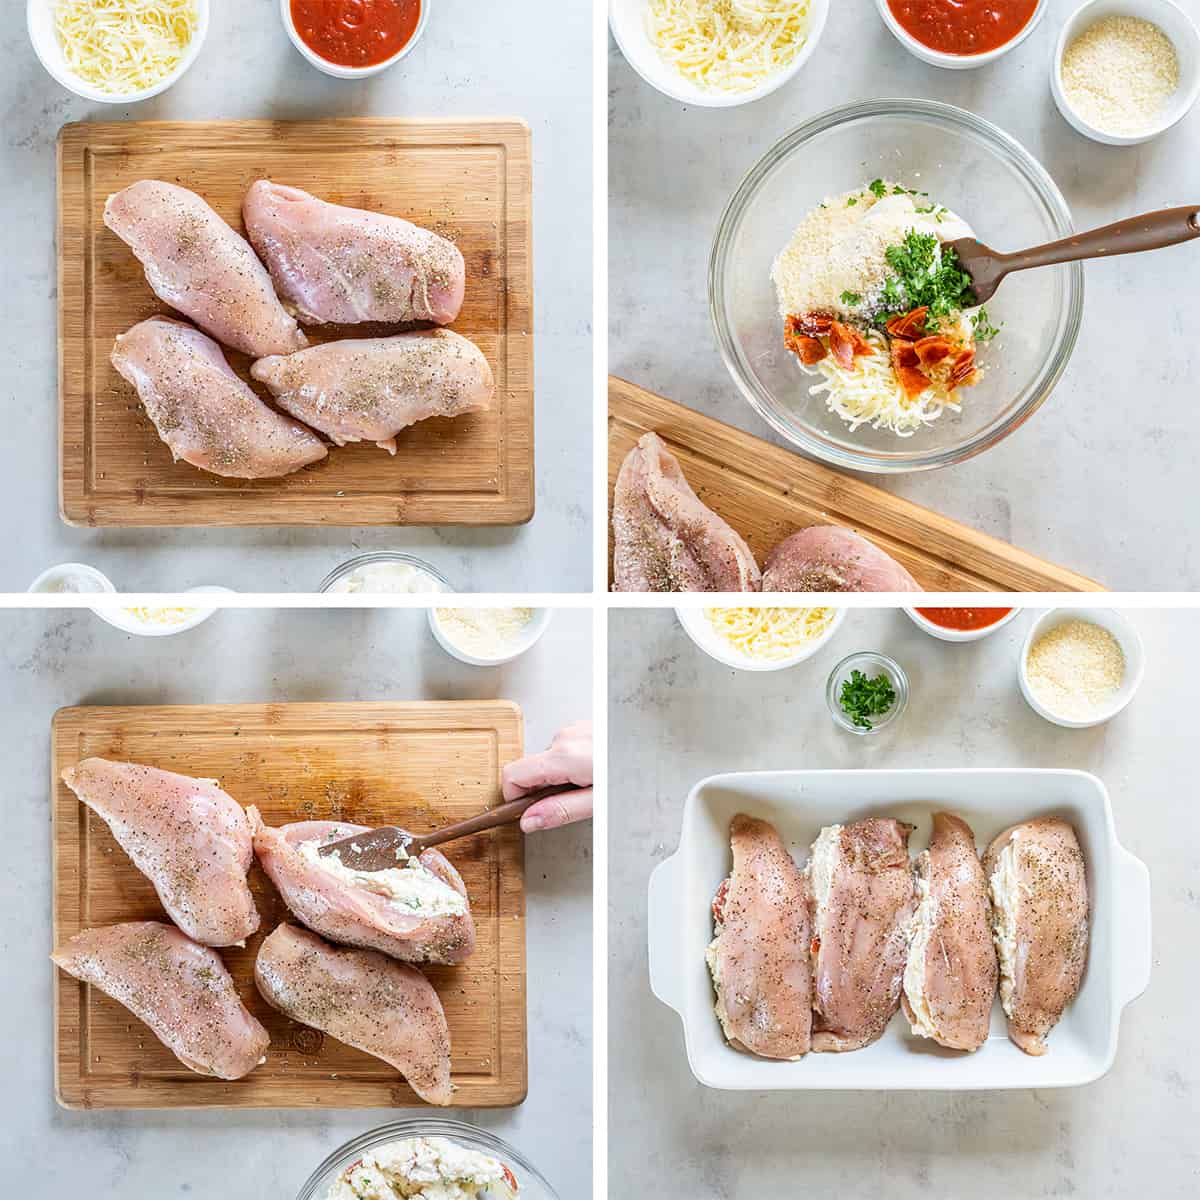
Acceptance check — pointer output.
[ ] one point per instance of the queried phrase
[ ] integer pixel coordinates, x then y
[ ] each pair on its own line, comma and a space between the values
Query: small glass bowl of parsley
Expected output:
866, 692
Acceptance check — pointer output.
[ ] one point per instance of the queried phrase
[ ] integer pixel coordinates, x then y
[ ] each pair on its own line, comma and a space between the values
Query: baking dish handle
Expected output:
664, 927
1134, 948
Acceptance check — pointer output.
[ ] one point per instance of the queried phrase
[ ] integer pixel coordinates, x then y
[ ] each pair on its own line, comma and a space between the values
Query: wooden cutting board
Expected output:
420, 765
467, 179
767, 493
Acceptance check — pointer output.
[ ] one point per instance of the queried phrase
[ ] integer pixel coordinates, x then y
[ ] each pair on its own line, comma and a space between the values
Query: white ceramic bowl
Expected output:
335, 69
960, 635
118, 616
626, 18
1174, 22
40, 19
1083, 1044
532, 633
955, 62
1131, 647
51, 575
698, 627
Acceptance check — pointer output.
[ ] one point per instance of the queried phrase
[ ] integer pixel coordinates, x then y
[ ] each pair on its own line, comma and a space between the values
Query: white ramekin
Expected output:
954, 62
336, 69
961, 635
118, 617
698, 627
1174, 22
533, 632
40, 20
63, 570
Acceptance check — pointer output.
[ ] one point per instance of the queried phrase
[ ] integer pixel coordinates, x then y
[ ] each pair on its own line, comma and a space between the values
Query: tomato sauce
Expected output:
356, 33
963, 26
964, 618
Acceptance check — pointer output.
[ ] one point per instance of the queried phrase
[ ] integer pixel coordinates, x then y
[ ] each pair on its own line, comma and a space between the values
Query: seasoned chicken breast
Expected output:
1038, 884
828, 558
863, 898
759, 956
665, 539
346, 265
187, 836
417, 912
177, 987
199, 266
950, 977
370, 1002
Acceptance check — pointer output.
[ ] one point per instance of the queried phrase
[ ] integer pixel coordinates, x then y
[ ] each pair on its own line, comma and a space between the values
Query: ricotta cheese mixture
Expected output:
1005, 889
409, 884
433, 1168
1075, 669
921, 930
390, 578
821, 868
485, 632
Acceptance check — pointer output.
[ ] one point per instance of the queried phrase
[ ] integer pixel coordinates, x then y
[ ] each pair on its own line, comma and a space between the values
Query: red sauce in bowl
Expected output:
964, 618
356, 33
963, 26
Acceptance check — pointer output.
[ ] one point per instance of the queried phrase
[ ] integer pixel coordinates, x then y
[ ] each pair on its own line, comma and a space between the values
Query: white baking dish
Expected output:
1082, 1045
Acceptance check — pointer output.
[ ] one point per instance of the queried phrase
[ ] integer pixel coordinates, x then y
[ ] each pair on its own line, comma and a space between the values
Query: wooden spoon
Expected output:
1151, 231
387, 846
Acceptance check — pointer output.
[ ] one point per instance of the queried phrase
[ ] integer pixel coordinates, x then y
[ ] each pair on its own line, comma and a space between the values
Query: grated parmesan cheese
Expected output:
1075, 669
124, 46
1119, 74
484, 632
727, 45
769, 633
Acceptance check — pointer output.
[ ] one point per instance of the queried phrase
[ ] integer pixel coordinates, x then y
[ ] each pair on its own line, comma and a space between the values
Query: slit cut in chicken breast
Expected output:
370, 1002
187, 836
950, 976
863, 895
179, 988
1038, 884
829, 558
202, 268
759, 956
417, 912
665, 538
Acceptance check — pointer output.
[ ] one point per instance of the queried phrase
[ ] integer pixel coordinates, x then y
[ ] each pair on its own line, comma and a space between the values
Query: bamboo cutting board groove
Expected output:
420, 765
767, 493
469, 180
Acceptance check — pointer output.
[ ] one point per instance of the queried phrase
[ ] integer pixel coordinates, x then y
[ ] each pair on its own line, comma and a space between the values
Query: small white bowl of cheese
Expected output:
760, 638
487, 637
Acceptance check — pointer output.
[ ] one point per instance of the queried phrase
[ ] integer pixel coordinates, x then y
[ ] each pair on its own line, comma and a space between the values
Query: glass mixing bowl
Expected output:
533, 1185
964, 163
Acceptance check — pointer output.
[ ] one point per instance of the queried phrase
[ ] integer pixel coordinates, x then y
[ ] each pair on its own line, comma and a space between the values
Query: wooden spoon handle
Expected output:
502, 814
1151, 231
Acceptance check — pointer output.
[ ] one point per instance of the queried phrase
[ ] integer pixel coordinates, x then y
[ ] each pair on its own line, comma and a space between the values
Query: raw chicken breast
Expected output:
206, 415
361, 998
345, 265
862, 888
759, 957
375, 910
177, 987
1038, 884
367, 390
666, 540
199, 266
950, 978
189, 838
828, 558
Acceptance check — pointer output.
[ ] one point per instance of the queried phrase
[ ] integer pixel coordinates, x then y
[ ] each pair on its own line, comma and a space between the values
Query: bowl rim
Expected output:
338, 70
695, 97
67, 79
956, 62
959, 636
1049, 373
1071, 29
390, 556
417, 1127
731, 658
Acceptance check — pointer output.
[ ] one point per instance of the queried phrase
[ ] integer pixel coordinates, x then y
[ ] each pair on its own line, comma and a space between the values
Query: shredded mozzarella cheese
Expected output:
727, 45
161, 616
124, 46
769, 633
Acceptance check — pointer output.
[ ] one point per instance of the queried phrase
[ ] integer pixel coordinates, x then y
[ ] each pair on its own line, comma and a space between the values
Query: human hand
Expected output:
568, 760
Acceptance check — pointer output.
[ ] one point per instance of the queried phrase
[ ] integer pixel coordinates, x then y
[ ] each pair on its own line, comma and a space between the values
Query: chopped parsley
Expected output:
983, 327
851, 298
863, 698
927, 275
852, 202
878, 188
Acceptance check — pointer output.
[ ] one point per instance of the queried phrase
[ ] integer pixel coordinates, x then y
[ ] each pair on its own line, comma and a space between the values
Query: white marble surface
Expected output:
676, 716
531, 60
1101, 479
50, 659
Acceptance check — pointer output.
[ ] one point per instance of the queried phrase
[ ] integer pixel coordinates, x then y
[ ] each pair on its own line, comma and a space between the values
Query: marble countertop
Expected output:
52, 659
474, 60
676, 716
1099, 477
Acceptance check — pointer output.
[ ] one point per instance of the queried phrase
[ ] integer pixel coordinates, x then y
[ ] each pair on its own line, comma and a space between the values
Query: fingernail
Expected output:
532, 824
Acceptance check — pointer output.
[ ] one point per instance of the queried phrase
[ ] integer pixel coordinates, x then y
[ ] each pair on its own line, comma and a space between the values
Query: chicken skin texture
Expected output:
1038, 883
364, 999
665, 538
202, 268
950, 977
828, 558
759, 957
179, 988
